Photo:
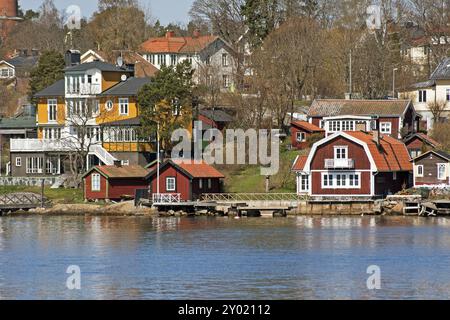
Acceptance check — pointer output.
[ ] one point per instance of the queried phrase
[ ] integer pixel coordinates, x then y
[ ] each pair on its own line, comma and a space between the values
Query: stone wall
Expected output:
26, 181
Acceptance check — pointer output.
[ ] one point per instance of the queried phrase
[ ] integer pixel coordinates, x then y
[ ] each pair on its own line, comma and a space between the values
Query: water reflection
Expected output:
222, 258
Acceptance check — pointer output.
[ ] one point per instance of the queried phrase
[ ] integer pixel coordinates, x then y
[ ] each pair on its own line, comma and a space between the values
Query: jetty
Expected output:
21, 201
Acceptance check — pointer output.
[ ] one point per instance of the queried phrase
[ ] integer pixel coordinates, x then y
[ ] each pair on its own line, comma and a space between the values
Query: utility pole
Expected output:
393, 83
351, 75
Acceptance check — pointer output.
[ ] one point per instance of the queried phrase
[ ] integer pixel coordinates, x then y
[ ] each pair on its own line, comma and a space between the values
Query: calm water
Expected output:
221, 258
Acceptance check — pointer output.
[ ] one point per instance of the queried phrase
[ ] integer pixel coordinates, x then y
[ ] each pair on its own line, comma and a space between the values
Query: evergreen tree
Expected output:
50, 69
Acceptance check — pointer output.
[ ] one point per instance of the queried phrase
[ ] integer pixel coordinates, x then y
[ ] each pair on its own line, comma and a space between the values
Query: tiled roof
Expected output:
391, 155
299, 163
424, 137
192, 169
133, 171
177, 44
307, 126
442, 72
55, 90
339, 107
130, 87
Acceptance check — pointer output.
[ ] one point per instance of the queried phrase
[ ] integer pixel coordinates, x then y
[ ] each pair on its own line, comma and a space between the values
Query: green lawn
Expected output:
247, 178
56, 195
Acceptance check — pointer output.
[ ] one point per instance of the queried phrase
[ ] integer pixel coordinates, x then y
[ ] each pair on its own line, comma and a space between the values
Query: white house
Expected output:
435, 90
7, 70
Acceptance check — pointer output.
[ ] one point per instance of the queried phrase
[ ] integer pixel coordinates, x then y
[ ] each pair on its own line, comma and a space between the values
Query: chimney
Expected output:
72, 58
118, 163
196, 33
170, 34
376, 132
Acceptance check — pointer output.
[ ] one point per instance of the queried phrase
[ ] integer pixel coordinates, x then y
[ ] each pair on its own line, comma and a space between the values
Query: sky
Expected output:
164, 10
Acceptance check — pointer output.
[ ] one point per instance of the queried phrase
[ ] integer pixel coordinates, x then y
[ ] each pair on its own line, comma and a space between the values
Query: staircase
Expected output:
102, 154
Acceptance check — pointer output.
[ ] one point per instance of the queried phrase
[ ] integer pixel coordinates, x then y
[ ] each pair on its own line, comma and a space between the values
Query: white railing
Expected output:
85, 89
339, 163
102, 154
166, 198
38, 145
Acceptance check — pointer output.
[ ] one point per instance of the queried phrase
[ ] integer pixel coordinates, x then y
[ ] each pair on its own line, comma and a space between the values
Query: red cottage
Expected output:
189, 180
355, 163
394, 118
432, 169
301, 131
420, 143
114, 182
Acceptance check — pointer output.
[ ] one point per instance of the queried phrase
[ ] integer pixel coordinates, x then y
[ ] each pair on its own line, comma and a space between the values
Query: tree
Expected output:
437, 108
119, 25
167, 100
50, 69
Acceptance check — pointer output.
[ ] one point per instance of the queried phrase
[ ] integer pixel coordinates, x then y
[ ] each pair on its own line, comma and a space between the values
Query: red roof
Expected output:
171, 44
392, 154
199, 170
307, 126
425, 138
299, 163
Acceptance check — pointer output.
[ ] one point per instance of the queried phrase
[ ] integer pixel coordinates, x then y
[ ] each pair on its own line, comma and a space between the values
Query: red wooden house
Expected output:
420, 143
432, 169
394, 117
356, 164
189, 180
114, 182
301, 131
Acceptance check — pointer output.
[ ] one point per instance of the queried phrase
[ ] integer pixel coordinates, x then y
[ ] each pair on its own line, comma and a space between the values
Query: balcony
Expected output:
339, 164
86, 89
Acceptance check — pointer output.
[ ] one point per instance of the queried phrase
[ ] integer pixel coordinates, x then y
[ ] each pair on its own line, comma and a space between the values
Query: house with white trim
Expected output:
354, 163
432, 169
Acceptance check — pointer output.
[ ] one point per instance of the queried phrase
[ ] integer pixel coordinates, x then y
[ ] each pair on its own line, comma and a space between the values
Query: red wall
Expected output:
326, 151
395, 126
182, 184
92, 195
299, 145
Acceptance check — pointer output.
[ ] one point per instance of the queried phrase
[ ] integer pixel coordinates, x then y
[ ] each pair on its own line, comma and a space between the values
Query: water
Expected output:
224, 258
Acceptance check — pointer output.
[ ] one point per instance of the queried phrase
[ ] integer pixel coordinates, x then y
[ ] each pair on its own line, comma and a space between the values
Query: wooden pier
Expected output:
21, 201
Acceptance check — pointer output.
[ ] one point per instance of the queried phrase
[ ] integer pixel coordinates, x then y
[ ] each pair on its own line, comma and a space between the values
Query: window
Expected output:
162, 59
52, 133
341, 181
447, 94
226, 81
209, 183
170, 184
109, 105
304, 183
123, 106
441, 168
224, 60
321, 124
200, 183
96, 108
52, 105
420, 170
340, 152
301, 137
386, 127
422, 95
95, 182
18, 162
173, 59
34, 164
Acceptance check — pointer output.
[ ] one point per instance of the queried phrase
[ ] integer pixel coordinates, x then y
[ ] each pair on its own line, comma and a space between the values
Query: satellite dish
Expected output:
120, 61
123, 77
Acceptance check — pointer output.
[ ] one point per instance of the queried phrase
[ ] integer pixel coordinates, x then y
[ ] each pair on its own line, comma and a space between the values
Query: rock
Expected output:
398, 209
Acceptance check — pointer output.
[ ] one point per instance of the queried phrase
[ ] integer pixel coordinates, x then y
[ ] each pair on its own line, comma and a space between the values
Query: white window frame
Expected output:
95, 182
386, 127
124, 104
169, 181
346, 180
18, 161
109, 105
302, 136
419, 170
439, 166
52, 103
34, 165
422, 96
304, 183
225, 62
336, 152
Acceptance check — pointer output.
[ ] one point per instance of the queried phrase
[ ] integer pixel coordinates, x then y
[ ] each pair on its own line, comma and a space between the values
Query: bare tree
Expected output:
437, 108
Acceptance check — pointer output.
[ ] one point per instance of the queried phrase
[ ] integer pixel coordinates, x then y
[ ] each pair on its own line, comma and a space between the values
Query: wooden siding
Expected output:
326, 151
429, 163
300, 145
128, 147
182, 183
110, 79
42, 111
94, 195
317, 189
114, 113
125, 187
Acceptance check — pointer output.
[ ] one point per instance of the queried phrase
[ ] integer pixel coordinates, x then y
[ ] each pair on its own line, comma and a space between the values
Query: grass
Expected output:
64, 196
247, 178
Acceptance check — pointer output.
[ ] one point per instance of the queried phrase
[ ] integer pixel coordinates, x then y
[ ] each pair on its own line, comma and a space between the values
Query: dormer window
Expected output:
341, 152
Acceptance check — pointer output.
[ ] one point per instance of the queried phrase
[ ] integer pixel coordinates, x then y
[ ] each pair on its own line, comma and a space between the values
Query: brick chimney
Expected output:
170, 34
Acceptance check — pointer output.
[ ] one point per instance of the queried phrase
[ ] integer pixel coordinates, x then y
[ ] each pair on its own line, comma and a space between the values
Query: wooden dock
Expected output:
435, 208
21, 201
